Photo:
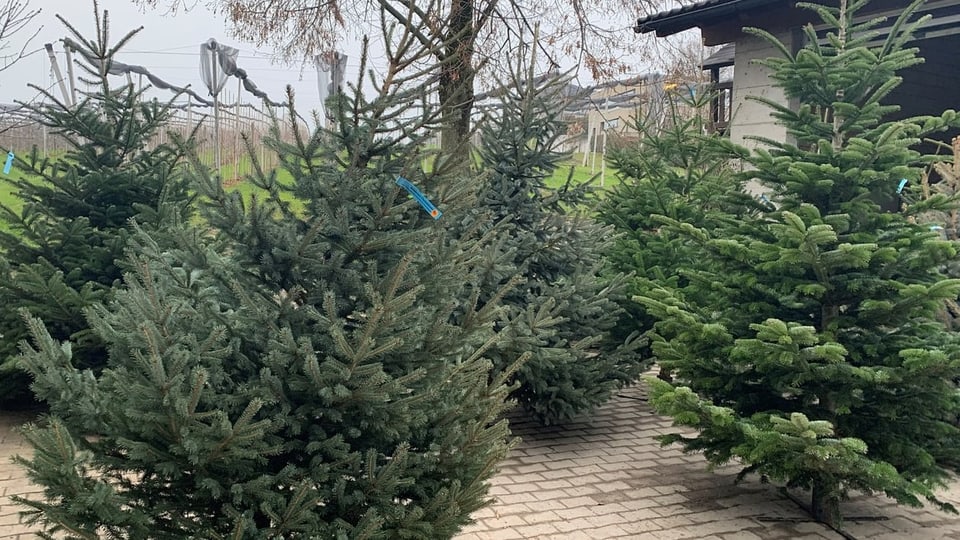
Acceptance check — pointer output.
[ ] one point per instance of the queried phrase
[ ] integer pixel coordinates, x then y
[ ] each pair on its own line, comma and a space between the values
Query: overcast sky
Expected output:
168, 46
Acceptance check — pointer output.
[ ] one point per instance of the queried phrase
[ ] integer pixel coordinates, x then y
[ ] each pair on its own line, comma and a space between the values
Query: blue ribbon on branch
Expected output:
428, 206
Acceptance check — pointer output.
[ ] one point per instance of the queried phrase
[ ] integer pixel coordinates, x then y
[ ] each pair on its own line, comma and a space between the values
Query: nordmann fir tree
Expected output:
820, 362
675, 168
59, 252
561, 313
307, 367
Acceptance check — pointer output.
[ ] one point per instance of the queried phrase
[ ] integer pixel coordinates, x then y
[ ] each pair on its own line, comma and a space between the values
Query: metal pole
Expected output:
236, 135
261, 129
586, 151
216, 118
603, 156
43, 124
593, 155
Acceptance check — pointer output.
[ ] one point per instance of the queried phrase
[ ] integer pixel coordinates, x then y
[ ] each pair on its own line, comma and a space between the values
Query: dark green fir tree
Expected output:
59, 252
561, 312
817, 358
308, 363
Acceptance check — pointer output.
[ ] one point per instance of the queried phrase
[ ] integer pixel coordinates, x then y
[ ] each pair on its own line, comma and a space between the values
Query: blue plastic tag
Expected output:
9, 164
903, 184
420, 197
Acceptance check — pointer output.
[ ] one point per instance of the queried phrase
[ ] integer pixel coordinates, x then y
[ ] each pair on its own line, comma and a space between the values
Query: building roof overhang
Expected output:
700, 13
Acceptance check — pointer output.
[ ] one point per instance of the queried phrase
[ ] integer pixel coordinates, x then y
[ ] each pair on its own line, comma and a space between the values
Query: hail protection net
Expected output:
330, 69
217, 62
323, 77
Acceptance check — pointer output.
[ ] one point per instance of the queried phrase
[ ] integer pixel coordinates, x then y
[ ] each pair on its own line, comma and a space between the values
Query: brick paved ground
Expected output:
606, 477
13, 480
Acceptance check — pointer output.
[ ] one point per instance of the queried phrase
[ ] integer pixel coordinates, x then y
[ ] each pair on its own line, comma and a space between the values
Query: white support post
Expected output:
216, 122
586, 150
236, 134
55, 66
603, 158
73, 84
593, 154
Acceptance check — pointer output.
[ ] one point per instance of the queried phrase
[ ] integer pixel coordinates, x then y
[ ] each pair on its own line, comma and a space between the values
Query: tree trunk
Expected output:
456, 81
456, 98
825, 505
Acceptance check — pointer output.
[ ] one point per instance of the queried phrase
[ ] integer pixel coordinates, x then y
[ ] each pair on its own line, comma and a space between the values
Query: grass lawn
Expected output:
580, 174
8, 193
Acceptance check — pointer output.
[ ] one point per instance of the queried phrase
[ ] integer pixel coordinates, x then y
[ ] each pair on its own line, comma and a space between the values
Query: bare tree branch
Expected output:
15, 16
464, 36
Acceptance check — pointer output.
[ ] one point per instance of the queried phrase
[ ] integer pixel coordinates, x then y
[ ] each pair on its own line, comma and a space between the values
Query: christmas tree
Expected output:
60, 251
306, 363
561, 312
675, 169
806, 343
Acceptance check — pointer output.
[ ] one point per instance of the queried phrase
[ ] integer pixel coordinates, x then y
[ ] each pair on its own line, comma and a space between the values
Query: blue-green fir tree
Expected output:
59, 251
806, 344
305, 362
561, 312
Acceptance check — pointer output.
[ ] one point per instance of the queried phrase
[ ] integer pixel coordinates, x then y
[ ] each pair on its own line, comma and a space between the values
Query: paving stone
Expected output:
503, 522
534, 518
508, 510
900, 523
507, 534
604, 520
572, 502
498, 490
673, 522
533, 458
670, 509
531, 468
577, 512
521, 488
926, 517
517, 498
610, 531
673, 534
725, 526
582, 491
586, 470
551, 485
867, 529
741, 535
639, 515
526, 478
573, 524
544, 506
608, 508
572, 535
